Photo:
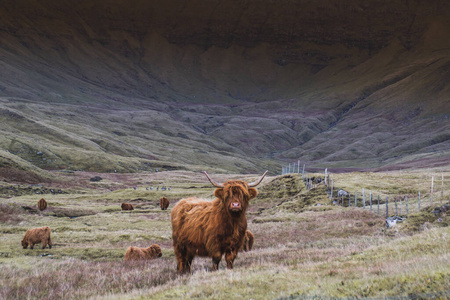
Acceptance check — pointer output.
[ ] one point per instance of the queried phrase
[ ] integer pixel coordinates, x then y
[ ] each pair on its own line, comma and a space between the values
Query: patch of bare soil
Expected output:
17, 175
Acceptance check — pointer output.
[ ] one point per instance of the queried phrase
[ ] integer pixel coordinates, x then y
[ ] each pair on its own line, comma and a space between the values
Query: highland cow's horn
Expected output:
214, 183
255, 183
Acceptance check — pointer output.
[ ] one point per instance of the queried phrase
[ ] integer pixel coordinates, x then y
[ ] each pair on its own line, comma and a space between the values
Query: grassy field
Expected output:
304, 245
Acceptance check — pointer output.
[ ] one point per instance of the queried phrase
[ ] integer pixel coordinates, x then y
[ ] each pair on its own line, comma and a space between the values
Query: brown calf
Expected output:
136, 253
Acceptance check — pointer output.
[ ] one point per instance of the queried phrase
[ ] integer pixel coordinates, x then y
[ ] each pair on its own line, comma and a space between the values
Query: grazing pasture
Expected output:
304, 246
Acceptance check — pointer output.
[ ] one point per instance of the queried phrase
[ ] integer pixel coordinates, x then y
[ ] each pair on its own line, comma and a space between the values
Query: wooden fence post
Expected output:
378, 209
387, 208
370, 201
406, 202
349, 199
432, 182
442, 187
396, 211
400, 205
331, 195
364, 199
419, 200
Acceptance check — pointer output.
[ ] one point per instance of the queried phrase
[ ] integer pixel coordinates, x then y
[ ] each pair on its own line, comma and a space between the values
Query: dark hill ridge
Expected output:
234, 85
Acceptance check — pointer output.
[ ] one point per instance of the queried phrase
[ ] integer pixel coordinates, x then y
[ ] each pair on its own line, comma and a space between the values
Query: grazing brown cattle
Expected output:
249, 238
36, 236
127, 206
42, 204
212, 228
164, 203
136, 253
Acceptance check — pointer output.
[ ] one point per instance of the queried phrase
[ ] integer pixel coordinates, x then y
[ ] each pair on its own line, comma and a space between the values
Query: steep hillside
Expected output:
234, 85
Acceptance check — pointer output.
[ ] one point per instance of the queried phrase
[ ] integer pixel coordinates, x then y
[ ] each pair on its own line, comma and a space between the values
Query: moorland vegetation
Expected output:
304, 245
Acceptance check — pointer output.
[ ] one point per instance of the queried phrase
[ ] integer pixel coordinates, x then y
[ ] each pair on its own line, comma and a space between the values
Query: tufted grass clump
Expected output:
78, 279
430, 216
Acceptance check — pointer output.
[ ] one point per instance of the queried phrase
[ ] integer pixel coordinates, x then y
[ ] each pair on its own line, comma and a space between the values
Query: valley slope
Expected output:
232, 85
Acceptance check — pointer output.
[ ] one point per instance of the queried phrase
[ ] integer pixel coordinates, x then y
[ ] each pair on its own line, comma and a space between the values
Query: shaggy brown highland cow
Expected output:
249, 238
164, 203
212, 228
127, 206
136, 253
42, 204
36, 236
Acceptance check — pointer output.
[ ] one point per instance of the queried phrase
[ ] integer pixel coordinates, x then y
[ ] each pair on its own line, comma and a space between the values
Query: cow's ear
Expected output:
218, 193
252, 192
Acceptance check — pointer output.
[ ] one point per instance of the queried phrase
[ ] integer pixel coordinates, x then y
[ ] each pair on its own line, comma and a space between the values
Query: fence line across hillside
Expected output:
397, 205
293, 168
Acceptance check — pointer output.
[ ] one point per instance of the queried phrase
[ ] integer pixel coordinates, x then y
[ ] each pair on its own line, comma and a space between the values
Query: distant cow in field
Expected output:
42, 204
164, 203
36, 236
136, 253
249, 238
127, 206
212, 228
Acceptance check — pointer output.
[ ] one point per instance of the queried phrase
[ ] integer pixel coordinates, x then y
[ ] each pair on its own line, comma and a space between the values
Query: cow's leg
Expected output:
229, 258
50, 243
44, 243
180, 254
216, 258
31, 246
189, 259
181, 264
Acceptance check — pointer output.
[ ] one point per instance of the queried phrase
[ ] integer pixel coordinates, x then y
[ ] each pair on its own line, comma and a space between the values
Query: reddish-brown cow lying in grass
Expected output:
36, 236
136, 253
249, 238
42, 204
127, 206
164, 203
212, 228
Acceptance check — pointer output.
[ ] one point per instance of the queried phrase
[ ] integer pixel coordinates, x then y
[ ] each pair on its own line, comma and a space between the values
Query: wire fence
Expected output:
378, 202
